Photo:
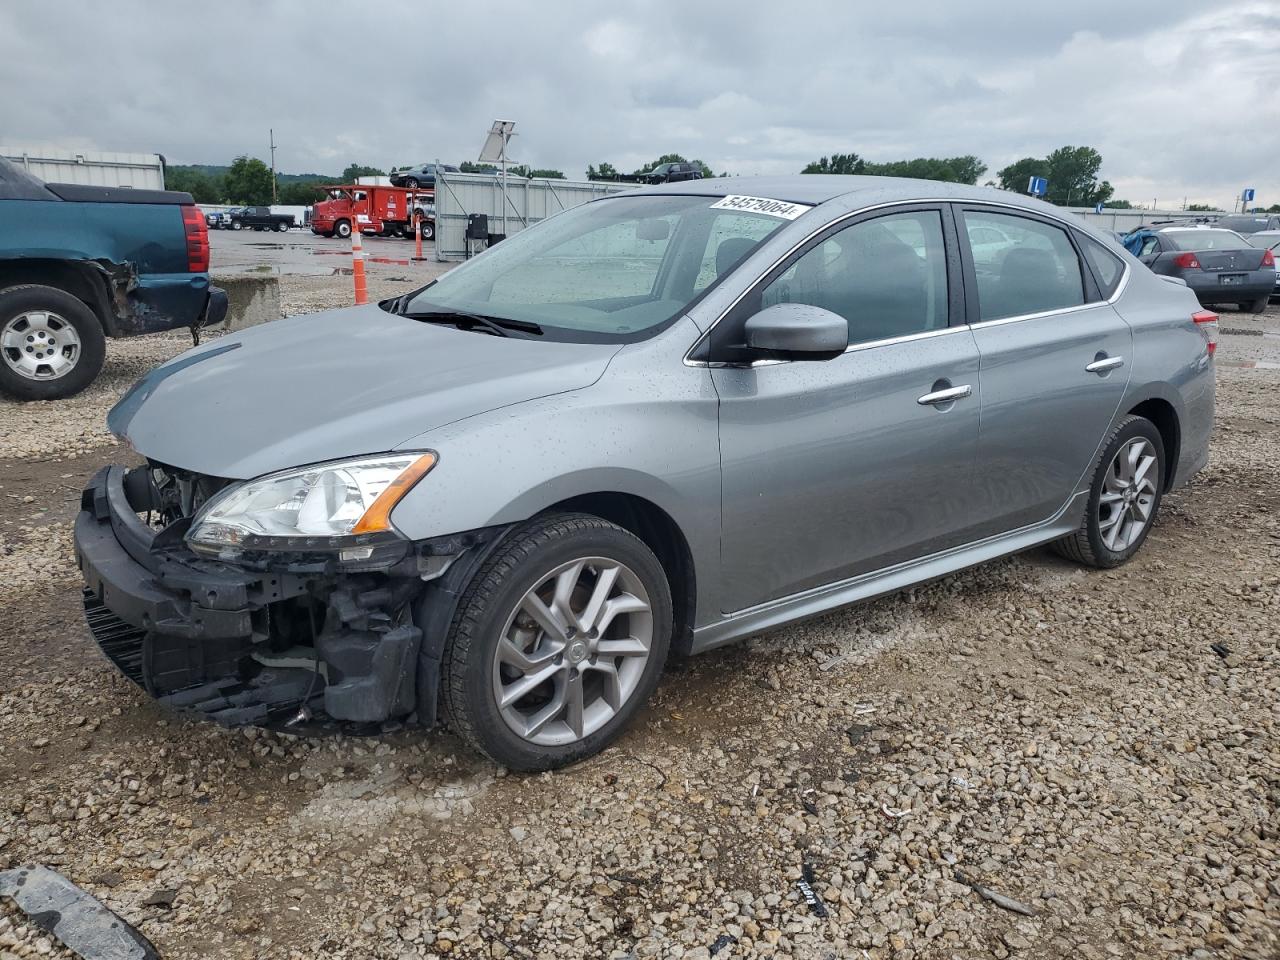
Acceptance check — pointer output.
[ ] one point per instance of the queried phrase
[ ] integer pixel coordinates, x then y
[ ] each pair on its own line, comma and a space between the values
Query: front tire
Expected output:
342, 229
51, 344
1124, 497
557, 641
237, 225
282, 226
428, 230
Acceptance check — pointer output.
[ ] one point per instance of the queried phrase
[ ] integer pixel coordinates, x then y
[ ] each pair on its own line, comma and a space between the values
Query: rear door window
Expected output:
1107, 267
1034, 271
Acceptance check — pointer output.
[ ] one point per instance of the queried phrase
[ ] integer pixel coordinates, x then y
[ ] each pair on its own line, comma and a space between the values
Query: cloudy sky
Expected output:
1182, 97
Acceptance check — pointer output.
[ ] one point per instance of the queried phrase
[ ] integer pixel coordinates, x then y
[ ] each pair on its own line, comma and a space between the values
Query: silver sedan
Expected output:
657, 423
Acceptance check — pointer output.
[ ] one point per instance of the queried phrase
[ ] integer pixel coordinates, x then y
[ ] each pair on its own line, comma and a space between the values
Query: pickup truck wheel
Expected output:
428, 230
342, 228
557, 641
237, 225
51, 344
282, 226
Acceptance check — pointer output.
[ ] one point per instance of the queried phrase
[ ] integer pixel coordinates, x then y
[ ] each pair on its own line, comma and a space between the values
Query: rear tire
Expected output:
598, 637
1258, 306
428, 230
42, 329
1124, 497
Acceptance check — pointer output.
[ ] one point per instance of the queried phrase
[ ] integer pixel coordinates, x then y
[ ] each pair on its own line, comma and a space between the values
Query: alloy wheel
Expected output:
40, 345
1128, 495
573, 651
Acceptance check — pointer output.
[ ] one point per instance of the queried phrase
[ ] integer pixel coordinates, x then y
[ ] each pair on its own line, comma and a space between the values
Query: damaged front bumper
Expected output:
274, 638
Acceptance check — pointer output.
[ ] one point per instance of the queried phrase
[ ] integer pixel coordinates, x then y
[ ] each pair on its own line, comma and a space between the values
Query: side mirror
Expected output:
797, 331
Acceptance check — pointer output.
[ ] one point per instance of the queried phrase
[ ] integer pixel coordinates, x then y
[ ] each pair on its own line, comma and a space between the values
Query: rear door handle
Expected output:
1104, 364
948, 395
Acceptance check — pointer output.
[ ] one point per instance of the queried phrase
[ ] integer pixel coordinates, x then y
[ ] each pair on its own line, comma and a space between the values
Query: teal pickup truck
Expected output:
79, 264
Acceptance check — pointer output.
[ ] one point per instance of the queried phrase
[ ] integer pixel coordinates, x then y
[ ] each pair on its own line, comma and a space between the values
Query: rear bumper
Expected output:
169, 301
1209, 288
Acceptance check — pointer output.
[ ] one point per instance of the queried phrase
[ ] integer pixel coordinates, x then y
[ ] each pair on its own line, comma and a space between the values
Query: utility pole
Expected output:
272, 132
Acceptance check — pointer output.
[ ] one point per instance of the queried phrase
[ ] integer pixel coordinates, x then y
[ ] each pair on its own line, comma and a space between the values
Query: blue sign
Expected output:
1247, 196
1097, 208
1038, 186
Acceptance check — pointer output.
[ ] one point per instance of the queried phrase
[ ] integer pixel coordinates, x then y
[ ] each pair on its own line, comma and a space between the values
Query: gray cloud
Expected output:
1180, 101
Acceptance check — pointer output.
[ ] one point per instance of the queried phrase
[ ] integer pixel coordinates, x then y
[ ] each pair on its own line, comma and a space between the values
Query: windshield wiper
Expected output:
498, 326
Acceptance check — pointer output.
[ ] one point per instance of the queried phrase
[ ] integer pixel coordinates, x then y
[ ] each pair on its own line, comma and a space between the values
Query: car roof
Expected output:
819, 188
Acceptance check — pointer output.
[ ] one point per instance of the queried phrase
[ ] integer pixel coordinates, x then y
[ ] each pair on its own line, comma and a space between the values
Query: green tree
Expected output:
1018, 174
1197, 208
1274, 208
202, 187
966, 169
846, 163
300, 193
1118, 205
602, 172
355, 170
1073, 177
468, 167
248, 182
1072, 173
524, 170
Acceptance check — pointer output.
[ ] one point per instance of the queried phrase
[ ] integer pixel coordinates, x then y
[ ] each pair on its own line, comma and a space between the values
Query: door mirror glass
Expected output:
797, 331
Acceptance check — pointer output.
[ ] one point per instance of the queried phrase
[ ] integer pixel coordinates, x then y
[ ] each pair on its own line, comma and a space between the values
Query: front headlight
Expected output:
326, 506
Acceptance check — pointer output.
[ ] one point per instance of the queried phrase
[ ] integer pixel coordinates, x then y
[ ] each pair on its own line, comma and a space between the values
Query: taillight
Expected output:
197, 240
1187, 261
1268, 258
1207, 324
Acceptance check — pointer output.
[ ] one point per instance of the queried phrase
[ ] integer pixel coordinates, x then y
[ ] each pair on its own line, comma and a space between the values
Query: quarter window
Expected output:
887, 277
1107, 267
1034, 270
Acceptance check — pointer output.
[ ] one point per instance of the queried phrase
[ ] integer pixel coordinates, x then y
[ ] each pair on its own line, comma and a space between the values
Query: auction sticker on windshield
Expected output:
773, 208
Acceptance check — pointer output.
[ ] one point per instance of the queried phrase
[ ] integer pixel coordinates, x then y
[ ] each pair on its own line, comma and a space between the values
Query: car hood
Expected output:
337, 384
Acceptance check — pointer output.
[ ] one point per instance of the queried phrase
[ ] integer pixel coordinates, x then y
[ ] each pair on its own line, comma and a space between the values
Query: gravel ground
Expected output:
1064, 738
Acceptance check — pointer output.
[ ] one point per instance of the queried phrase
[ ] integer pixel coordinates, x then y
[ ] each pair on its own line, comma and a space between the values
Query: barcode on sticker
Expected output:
772, 208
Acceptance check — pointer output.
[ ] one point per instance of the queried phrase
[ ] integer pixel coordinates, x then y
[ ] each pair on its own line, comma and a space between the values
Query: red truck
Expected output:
384, 211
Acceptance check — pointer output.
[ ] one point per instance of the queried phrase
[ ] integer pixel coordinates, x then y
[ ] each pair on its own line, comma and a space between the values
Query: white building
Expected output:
142, 171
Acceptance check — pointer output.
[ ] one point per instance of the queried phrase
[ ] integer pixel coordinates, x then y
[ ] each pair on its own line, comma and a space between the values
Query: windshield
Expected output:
614, 270
1206, 240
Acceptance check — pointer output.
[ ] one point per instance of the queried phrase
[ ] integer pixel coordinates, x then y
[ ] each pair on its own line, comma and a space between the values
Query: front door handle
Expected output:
949, 395
1103, 364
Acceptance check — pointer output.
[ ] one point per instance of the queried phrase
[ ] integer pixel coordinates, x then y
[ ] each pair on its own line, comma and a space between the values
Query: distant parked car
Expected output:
1219, 265
260, 218
1249, 222
1268, 240
672, 173
420, 175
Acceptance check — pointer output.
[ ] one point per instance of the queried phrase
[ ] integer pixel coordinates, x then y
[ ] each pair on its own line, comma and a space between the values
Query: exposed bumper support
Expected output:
243, 646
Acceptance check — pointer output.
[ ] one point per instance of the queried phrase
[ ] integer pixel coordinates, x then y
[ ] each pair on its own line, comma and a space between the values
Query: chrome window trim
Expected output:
1120, 287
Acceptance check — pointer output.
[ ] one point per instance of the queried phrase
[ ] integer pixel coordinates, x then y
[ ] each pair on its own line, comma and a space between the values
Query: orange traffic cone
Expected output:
417, 238
357, 263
